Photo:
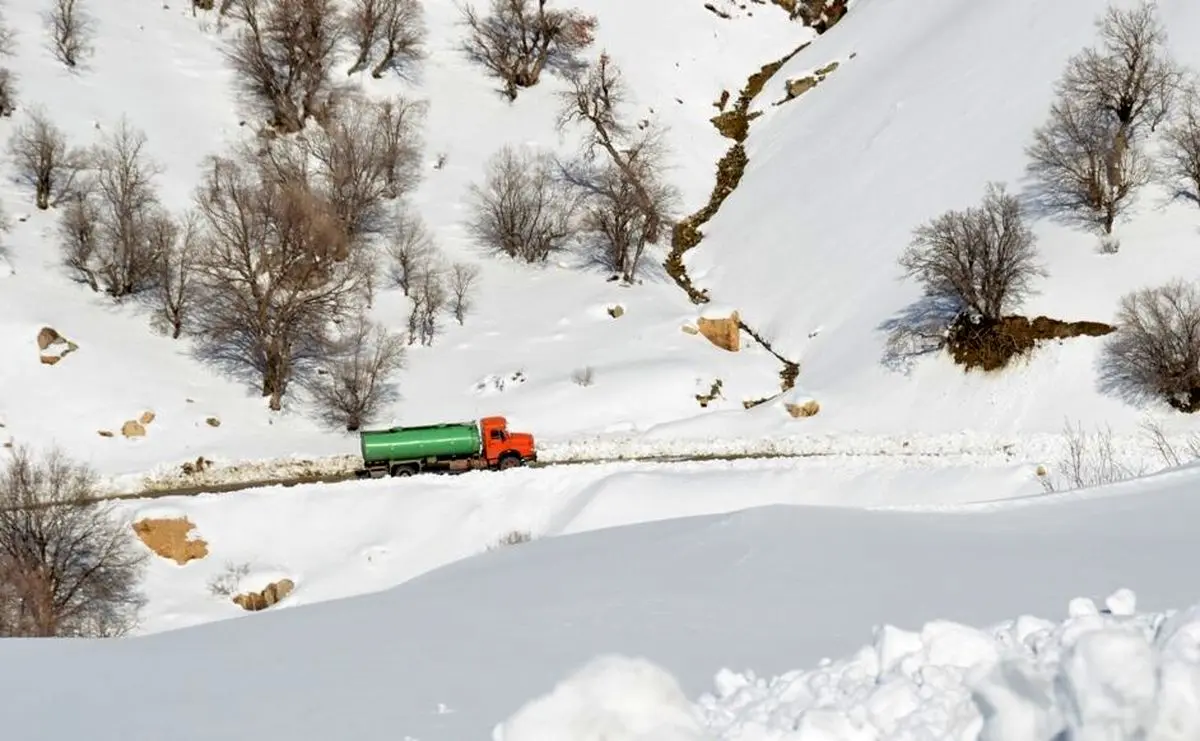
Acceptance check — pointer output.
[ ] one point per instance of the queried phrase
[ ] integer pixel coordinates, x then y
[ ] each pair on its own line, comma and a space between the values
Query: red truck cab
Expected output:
503, 449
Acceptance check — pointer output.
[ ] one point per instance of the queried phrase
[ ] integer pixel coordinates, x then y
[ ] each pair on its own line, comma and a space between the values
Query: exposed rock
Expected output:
104, 433
806, 409
273, 593
199, 466
616, 312
133, 428
724, 333
146, 418
52, 346
212, 422
171, 538
800, 86
689, 329
47, 337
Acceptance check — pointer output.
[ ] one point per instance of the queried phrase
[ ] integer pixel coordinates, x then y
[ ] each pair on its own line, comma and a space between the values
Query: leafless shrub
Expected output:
583, 376
8, 38
68, 565
523, 209
515, 537
43, 160
106, 230
1181, 155
1155, 351
1086, 168
1172, 455
463, 278
284, 57
71, 29
355, 384
368, 153
228, 581
411, 249
983, 257
628, 201
274, 272
429, 298
1129, 78
392, 31
177, 245
519, 39
1088, 460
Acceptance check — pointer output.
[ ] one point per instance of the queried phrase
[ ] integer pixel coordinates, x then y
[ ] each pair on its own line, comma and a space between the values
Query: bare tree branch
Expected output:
68, 566
522, 209
355, 384
519, 39
39, 151
984, 258
71, 29
1155, 351
463, 278
392, 31
177, 245
1181, 160
284, 56
275, 271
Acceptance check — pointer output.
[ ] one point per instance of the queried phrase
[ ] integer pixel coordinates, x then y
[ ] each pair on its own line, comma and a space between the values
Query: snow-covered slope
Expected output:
532, 329
449, 654
930, 101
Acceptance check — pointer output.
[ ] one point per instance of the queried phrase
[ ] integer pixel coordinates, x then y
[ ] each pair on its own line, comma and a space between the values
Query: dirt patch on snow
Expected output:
992, 345
171, 538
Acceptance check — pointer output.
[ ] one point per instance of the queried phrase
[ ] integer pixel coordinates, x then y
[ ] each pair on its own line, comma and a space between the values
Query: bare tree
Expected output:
1155, 351
176, 247
629, 202
519, 39
411, 249
1181, 160
1087, 169
71, 29
355, 384
429, 298
269, 284
68, 565
43, 160
523, 209
1130, 77
115, 253
392, 31
463, 278
8, 38
984, 258
284, 57
367, 154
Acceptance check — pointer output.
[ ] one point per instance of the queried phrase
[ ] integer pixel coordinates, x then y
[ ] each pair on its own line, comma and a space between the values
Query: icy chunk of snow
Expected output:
1121, 602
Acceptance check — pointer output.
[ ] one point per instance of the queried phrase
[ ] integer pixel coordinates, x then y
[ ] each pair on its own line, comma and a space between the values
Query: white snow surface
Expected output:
744, 612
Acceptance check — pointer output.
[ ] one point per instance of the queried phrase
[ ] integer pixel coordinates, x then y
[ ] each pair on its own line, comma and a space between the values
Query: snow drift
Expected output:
1100, 674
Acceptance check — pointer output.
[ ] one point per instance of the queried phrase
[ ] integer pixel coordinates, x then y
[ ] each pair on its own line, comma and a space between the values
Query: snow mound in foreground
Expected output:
1100, 675
612, 698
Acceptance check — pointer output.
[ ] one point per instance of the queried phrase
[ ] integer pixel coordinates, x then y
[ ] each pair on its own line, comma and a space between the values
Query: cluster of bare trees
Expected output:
433, 284
285, 52
519, 39
1089, 157
68, 566
612, 198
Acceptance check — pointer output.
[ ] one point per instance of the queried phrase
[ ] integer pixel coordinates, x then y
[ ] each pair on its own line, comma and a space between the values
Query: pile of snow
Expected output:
1110, 673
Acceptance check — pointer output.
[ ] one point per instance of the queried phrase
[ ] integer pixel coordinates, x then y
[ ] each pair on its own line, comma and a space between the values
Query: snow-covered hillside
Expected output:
770, 590
533, 330
929, 102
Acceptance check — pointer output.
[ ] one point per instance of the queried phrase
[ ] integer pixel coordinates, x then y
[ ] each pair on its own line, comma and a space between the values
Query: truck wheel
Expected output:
509, 461
403, 471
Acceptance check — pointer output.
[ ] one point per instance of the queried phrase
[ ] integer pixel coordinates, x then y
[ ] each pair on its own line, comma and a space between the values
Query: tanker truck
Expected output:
444, 448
